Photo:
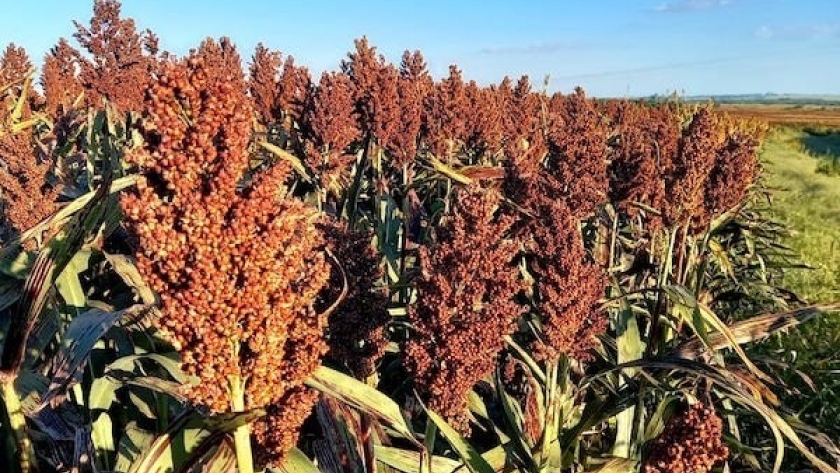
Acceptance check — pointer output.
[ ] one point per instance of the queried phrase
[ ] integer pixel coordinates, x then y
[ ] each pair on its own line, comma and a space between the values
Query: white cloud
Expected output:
690, 5
800, 32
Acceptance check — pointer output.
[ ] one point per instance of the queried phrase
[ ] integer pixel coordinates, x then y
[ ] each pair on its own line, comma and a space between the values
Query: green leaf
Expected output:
342, 431
145, 405
476, 404
102, 434
409, 461
82, 334
630, 347
68, 283
103, 393
362, 397
162, 386
497, 458
187, 440
126, 269
616, 465
470, 456
15, 261
132, 444
296, 462
218, 459
666, 408
281, 153
169, 363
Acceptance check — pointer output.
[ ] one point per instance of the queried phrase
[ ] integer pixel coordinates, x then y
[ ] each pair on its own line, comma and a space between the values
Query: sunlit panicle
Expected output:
233, 309
685, 183
331, 125
59, 79
577, 157
120, 60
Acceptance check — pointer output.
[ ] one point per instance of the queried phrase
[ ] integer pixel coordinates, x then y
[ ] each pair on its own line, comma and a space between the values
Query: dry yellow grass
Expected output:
788, 114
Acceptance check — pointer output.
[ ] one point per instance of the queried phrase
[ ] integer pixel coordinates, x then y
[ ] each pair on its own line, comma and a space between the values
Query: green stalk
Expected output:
17, 421
406, 220
242, 434
550, 454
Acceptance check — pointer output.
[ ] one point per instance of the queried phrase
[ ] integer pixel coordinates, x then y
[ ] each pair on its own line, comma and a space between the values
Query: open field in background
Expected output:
807, 202
821, 115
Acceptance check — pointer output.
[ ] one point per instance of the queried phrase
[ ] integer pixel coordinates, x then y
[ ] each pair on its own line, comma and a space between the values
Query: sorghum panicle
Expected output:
356, 328
26, 196
486, 130
331, 125
635, 169
568, 285
685, 184
447, 113
375, 91
60, 79
577, 158
691, 443
413, 84
293, 91
735, 170
14, 67
121, 60
465, 304
232, 308
524, 120
263, 84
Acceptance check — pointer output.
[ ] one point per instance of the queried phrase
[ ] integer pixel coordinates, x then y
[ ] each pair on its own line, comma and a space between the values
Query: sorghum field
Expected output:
213, 263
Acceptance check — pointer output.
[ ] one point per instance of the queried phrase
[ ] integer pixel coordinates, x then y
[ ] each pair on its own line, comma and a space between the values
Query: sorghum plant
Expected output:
26, 194
465, 304
120, 63
60, 79
242, 315
691, 443
356, 328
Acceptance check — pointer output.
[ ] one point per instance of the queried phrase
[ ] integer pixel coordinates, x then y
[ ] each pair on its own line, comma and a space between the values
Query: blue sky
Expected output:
609, 47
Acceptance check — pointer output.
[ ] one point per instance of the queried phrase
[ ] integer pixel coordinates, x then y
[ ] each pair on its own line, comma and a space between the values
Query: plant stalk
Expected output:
242, 434
24, 452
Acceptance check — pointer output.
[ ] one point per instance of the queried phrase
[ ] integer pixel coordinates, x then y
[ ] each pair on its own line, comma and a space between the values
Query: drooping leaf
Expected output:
469, 455
754, 329
82, 334
409, 461
296, 462
187, 440
362, 397
701, 318
127, 270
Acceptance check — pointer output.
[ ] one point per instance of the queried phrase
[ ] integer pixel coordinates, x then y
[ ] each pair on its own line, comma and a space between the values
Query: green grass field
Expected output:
808, 203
